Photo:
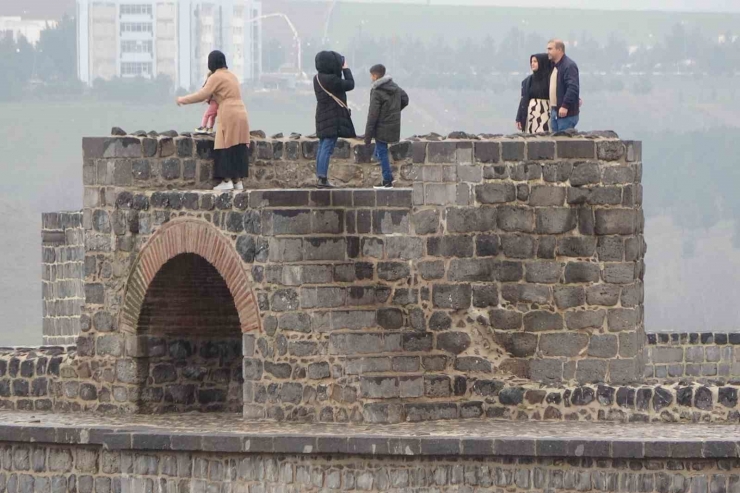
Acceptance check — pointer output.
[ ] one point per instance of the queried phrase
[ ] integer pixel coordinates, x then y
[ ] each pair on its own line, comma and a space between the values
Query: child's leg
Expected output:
212, 112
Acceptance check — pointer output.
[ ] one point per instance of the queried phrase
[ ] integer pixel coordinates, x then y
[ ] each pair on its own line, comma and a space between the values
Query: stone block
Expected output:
453, 342
442, 152
473, 364
462, 270
495, 193
473, 219
540, 320
603, 295
324, 249
487, 152
393, 271
518, 246
430, 270
512, 151
543, 272
577, 246
591, 371
450, 246
621, 319
546, 196
425, 222
404, 247
516, 219
563, 344
485, 295
569, 296
390, 222
581, 272
623, 273
546, 370
585, 319
603, 346
540, 150
615, 222
576, 149
555, 220
451, 296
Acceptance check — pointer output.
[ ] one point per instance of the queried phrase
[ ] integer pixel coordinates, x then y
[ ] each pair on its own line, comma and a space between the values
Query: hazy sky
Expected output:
666, 5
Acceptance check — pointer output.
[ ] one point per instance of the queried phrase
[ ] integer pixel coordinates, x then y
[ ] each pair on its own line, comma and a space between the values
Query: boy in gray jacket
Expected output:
384, 118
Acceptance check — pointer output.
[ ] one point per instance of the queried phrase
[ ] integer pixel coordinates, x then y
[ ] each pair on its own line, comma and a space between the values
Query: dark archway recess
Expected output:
191, 339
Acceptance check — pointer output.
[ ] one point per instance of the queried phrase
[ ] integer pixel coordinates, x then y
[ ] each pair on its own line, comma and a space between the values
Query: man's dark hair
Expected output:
378, 70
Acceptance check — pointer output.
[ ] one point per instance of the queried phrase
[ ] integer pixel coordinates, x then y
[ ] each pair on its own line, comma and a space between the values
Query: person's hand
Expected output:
563, 112
179, 102
518, 125
345, 66
580, 103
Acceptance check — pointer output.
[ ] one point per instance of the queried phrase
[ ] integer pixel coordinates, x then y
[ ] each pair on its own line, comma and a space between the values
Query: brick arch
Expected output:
189, 235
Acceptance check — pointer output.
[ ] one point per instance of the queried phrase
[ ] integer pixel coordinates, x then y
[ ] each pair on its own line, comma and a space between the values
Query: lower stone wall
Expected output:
86, 469
30, 378
696, 356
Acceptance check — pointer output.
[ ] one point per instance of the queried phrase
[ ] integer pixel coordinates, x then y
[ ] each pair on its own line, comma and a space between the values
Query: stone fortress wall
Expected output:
502, 278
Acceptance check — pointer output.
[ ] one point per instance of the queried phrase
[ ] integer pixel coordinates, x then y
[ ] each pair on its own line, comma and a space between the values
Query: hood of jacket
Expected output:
329, 62
385, 84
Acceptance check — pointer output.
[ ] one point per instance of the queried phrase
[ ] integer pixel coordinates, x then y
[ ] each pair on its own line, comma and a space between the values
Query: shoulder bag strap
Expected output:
339, 101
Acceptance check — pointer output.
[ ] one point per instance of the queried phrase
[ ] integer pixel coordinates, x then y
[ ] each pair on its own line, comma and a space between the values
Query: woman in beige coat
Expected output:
231, 154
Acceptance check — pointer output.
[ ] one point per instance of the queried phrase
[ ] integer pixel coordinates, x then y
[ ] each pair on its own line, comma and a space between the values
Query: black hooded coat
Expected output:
331, 119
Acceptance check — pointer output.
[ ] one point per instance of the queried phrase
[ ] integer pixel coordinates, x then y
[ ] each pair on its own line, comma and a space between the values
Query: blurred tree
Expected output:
55, 57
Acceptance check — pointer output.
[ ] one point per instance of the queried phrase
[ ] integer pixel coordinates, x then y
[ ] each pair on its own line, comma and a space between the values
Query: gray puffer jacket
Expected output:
384, 116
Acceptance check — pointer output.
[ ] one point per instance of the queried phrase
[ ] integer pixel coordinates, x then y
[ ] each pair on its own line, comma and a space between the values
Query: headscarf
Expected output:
216, 60
540, 87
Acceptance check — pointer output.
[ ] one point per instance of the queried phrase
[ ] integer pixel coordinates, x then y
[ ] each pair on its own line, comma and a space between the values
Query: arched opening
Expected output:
190, 337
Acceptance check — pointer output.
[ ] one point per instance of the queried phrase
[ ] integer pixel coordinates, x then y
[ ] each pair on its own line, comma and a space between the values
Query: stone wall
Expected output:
86, 469
31, 379
496, 259
63, 270
704, 357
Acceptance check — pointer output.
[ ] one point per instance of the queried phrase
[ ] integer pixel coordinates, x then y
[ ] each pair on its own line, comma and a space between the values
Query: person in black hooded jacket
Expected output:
534, 106
333, 119
387, 100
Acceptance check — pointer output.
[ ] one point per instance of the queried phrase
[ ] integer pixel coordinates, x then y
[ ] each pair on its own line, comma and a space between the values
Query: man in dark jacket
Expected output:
384, 118
565, 88
333, 119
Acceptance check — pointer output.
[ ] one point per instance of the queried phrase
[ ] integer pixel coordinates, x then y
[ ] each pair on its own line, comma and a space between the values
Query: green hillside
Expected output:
459, 22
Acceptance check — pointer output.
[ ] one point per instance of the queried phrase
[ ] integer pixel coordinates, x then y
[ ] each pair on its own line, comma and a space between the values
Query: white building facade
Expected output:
151, 38
26, 28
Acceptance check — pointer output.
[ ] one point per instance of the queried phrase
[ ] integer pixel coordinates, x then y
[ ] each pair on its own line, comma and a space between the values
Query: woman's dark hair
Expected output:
216, 60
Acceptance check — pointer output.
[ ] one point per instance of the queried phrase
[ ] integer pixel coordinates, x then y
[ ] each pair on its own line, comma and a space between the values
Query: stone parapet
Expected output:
698, 356
63, 271
31, 379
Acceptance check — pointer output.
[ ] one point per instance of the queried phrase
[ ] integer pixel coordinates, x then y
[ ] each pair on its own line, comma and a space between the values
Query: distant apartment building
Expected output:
24, 28
149, 38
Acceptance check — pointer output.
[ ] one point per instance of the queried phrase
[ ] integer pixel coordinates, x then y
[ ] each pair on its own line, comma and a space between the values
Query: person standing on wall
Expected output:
231, 150
533, 116
564, 88
387, 100
333, 117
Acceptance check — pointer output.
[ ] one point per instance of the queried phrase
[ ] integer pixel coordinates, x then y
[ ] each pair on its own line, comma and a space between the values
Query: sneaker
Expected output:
224, 186
210, 131
385, 184
201, 130
323, 183
239, 185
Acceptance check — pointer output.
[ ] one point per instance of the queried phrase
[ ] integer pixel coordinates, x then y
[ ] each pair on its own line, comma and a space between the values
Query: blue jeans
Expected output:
558, 124
381, 154
323, 155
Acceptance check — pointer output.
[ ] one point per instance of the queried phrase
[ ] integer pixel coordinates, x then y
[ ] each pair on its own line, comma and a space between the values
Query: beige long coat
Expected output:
233, 122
